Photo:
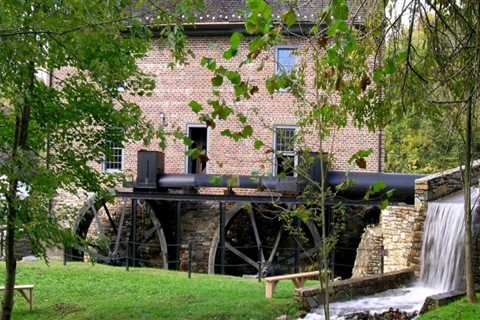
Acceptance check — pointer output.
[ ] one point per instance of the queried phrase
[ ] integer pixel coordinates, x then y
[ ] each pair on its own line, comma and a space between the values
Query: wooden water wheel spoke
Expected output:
257, 236
119, 231
249, 230
149, 233
241, 255
275, 247
160, 235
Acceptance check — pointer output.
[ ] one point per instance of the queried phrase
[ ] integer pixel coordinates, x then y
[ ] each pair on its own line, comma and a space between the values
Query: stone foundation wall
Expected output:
402, 237
199, 224
368, 259
312, 297
402, 226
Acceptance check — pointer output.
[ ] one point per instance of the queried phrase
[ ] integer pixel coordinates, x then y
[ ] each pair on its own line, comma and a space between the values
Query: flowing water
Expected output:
443, 242
442, 263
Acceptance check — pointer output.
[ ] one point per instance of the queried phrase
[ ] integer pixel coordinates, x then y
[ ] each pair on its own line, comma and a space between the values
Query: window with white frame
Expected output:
113, 159
285, 156
286, 59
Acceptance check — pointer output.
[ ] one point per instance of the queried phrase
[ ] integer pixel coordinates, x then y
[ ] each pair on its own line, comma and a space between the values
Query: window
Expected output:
285, 60
198, 134
114, 158
285, 156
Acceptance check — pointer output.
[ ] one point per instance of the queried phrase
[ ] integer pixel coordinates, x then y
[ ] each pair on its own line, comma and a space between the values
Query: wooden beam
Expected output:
160, 235
222, 238
241, 255
119, 231
257, 236
112, 223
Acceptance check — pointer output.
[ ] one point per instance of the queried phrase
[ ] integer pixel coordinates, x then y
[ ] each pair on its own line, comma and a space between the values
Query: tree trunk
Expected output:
324, 267
10, 260
19, 146
469, 274
469, 244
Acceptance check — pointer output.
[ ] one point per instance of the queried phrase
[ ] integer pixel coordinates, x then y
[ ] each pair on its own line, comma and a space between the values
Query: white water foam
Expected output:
443, 252
442, 263
405, 299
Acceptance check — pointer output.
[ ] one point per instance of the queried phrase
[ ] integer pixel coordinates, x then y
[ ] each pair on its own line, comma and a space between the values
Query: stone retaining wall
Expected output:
312, 297
368, 259
402, 226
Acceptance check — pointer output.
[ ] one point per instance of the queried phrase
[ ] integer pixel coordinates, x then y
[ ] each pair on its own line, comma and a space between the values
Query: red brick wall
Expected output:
175, 89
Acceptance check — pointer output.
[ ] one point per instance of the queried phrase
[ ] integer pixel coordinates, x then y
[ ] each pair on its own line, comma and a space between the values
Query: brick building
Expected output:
274, 121
272, 117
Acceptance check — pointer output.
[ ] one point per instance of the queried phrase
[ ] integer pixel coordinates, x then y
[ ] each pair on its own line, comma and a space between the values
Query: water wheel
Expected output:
111, 242
256, 233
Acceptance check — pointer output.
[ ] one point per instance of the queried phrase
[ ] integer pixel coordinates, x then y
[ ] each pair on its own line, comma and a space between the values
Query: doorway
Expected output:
199, 136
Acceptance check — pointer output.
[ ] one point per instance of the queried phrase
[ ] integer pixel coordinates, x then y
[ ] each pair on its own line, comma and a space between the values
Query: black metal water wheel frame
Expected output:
90, 212
252, 260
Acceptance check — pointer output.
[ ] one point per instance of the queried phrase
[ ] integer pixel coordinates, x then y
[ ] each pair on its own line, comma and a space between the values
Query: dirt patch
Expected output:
67, 308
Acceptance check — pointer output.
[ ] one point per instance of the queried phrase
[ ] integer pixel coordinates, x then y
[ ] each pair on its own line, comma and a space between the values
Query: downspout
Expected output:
380, 151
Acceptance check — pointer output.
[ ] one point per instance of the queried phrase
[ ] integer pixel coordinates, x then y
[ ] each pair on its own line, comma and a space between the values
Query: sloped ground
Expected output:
85, 291
461, 310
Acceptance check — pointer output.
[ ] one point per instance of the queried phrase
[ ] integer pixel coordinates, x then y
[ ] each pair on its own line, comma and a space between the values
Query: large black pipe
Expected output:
403, 184
284, 184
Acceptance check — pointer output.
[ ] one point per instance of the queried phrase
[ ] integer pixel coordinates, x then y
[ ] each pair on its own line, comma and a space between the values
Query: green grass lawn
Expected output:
85, 291
458, 310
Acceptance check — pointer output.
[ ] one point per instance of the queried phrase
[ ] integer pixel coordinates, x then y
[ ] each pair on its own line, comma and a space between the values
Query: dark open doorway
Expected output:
198, 134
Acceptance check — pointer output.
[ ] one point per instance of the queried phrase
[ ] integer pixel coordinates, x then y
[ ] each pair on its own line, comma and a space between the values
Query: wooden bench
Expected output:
26, 291
298, 280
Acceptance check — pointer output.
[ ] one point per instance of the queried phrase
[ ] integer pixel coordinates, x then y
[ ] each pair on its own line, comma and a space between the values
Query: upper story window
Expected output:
285, 60
285, 157
113, 160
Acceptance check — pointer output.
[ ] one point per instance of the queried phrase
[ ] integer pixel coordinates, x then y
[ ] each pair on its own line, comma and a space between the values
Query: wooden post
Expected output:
30, 301
179, 232
134, 231
190, 251
333, 263
296, 256
64, 255
1, 243
382, 258
222, 238
259, 264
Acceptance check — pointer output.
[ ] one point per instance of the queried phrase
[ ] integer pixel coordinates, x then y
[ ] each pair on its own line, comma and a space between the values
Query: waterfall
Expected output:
443, 242
442, 260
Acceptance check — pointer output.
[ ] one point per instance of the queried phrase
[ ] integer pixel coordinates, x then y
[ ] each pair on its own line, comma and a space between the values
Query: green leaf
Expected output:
247, 131
209, 63
195, 106
240, 89
389, 194
242, 118
364, 153
235, 40
378, 186
215, 180
187, 141
194, 153
233, 76
258, 144
340, 10
233, 181
226, 133
337, 26
289, 18
390, 67
217, 81
271, 85
230, 53
384, 204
